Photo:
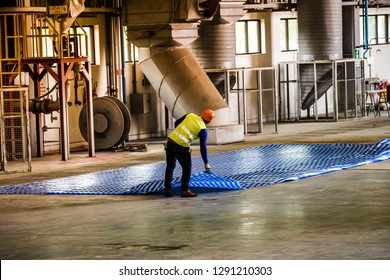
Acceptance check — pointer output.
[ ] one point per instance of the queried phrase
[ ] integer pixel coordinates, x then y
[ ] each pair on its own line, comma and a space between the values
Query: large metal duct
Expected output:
319, 38
215, 48
181, 82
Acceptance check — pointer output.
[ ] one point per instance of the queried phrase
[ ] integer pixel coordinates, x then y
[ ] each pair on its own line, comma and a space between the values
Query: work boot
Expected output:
168, 193
188, 193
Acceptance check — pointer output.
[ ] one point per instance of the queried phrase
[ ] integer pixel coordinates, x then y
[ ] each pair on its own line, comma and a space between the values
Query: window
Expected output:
289, 34
383, 37
42, 42
86, 41
378, 32
131, 51
248, 37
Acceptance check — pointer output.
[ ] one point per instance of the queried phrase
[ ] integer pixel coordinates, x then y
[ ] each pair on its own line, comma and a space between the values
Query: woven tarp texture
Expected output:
234, 170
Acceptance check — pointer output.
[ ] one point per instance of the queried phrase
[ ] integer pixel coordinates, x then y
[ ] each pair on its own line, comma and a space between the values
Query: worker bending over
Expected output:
188, 129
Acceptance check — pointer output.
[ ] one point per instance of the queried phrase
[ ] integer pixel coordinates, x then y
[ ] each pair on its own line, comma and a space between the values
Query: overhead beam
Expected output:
43, 10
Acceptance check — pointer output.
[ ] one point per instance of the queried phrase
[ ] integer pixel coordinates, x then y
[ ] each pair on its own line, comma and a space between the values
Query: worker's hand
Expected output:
207, 167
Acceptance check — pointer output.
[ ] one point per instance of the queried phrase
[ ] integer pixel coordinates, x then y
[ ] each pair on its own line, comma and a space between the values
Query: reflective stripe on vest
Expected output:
181, 137
187, 131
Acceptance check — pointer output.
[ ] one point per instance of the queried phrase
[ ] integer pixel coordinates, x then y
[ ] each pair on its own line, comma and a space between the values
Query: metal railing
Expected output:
252, 95
327, 100
271, 1
35, 36
15, 145
43, 39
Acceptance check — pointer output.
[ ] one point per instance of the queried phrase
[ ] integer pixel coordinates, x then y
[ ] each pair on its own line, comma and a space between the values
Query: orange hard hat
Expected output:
208, 115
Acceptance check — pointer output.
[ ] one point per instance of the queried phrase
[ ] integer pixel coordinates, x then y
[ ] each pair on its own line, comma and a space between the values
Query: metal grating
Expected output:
14, 127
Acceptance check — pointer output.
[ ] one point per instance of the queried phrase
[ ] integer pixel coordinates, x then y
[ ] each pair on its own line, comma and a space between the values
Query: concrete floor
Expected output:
340, 215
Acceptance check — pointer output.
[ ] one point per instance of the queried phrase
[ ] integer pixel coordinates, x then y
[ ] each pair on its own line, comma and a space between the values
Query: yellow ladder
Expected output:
11, 43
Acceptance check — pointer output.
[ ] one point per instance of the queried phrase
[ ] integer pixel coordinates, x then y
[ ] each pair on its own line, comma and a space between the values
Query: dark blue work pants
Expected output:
183, 156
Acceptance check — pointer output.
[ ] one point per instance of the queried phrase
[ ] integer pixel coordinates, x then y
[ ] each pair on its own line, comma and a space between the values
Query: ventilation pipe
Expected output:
181, 82
162, 30
216, 49
320, 38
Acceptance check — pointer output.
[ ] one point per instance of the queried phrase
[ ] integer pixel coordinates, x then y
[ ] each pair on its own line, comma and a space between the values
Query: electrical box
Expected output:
140, 103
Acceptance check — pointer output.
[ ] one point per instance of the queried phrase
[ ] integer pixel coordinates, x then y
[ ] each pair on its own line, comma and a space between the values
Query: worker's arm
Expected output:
203, 134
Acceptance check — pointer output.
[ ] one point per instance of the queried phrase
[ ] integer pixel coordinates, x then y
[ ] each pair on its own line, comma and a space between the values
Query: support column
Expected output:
64, 127
90, 121
38, 117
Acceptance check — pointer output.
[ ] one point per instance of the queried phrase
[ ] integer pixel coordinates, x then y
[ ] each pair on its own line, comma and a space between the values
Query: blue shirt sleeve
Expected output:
203, 134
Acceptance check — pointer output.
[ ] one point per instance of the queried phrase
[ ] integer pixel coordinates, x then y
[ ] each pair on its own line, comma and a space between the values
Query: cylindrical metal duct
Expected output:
181, 82
320, 29
215, 48
319, 38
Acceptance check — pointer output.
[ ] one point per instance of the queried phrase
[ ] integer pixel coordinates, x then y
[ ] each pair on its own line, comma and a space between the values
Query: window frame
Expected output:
375, 39
287, 35
90, 44
248, 36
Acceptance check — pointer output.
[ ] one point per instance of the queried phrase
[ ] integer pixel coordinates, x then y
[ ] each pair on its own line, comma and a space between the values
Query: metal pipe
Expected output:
366, 26
315, 91
260, 100
336, 92
345, 89
47, 106
363, 93
276, 100
355, 91
298, 89
108, 54
288, 91
123, 64
64, 124
181, 82
244, 107
239, 96
134, 71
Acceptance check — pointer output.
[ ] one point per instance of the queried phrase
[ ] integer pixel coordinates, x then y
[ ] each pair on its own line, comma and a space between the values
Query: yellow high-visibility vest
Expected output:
187, 131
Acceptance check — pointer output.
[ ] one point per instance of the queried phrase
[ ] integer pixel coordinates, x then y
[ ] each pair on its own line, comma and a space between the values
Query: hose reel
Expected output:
112, 122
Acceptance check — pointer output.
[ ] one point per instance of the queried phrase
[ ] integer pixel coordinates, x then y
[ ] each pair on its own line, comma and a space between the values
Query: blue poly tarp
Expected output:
238, 169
